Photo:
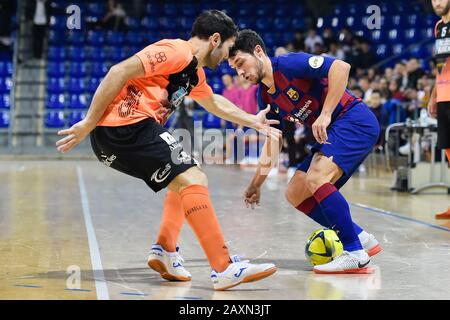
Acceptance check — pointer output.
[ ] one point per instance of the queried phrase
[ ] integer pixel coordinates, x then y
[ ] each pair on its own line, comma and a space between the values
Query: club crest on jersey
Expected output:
293, 94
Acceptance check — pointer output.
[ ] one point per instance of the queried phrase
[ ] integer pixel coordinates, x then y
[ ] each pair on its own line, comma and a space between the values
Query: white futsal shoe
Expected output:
346, 263
239, 272
371, 245
168, 264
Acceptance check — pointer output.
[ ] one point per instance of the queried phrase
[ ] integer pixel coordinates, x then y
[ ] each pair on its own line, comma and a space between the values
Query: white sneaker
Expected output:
371, 245
241, 271
168, 264
345, 263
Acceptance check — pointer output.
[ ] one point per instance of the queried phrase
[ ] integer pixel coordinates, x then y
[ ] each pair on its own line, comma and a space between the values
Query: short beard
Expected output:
444, 11
260, 75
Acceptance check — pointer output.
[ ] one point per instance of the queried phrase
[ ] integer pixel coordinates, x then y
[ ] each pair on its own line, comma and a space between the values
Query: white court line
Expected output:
99, 276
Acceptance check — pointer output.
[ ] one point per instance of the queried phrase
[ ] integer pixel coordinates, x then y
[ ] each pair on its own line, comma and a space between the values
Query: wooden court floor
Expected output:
80, 230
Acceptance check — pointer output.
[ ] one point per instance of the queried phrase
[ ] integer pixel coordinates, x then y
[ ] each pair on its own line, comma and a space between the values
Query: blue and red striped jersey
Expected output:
301, 85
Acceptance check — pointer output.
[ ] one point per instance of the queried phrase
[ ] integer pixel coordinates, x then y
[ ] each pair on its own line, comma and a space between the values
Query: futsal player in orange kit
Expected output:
439, 105
125, 123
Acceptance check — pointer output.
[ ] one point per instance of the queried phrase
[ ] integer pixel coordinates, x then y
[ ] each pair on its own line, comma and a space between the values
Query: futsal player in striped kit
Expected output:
312, 90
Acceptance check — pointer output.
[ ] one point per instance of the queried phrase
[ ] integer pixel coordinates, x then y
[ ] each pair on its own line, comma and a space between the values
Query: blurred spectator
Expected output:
6, 13
414, 72
318, 49
328, 37
376, 105
281, 51
358, 92
231, 91
311, 40
394, 92
298, 44
336, 51
115, 17
367, 58
38, 11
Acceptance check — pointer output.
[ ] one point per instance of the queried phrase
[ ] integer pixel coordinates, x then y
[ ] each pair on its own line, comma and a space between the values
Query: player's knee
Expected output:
289, 194
314, 180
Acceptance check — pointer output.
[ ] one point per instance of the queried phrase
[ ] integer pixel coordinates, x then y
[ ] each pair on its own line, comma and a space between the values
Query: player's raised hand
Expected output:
74, 135
264, 125
252, 196
320, 126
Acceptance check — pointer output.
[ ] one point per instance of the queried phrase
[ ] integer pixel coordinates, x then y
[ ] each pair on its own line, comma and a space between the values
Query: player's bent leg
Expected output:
299, 196
199, 211
336, 209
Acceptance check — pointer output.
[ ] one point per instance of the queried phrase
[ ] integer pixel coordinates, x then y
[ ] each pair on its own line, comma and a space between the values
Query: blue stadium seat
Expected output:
75, 37
4, 119
6, 68
76, 86
75, 116
411, 35
398, 49
115, 54
56, 85
430, 20
133, 38
56, 37
263, 24
5, 85
58, 22
114, 38
395, 36
149, 23
76, 54
382, 51
5, 102
55, 69
412, 20
96, 9
77, 101
170, 9
96, 54
93, 84
77, 70
186, 22
133, 23
54, 119
189, 9
56, 101
297, 23
95, 38
56, 54
99, 70
210, 121
153, 9
280, 24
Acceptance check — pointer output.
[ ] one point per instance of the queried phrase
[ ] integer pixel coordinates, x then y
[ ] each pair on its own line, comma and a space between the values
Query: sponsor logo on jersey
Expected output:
107, 161
159, 176
316, 62
293, 94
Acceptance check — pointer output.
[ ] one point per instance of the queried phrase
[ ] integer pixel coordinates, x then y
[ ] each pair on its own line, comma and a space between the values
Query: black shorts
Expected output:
443, 119
144, 150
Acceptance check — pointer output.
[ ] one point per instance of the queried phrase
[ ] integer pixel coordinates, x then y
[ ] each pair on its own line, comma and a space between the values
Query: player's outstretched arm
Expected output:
337, 83
225, 109
108, 89
268, 158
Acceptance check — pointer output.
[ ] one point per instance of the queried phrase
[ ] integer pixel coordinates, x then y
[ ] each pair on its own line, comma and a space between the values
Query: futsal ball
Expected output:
323, 245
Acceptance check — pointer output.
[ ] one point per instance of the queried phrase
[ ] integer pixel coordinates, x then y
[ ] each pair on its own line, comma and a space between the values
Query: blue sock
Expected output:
336, 210
311, 208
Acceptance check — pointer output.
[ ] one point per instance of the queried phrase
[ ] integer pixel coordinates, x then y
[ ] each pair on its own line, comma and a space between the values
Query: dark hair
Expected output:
246, 41
212, 21
376, 91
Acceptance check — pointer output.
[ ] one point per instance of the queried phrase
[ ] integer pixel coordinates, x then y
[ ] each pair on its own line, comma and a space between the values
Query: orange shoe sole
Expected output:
159, 267
349, 271
442, 216
373, 251
252, 278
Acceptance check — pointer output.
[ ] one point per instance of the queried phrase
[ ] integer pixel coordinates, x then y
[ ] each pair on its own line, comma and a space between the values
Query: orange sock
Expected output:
172, 221
202, 219
447, 153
